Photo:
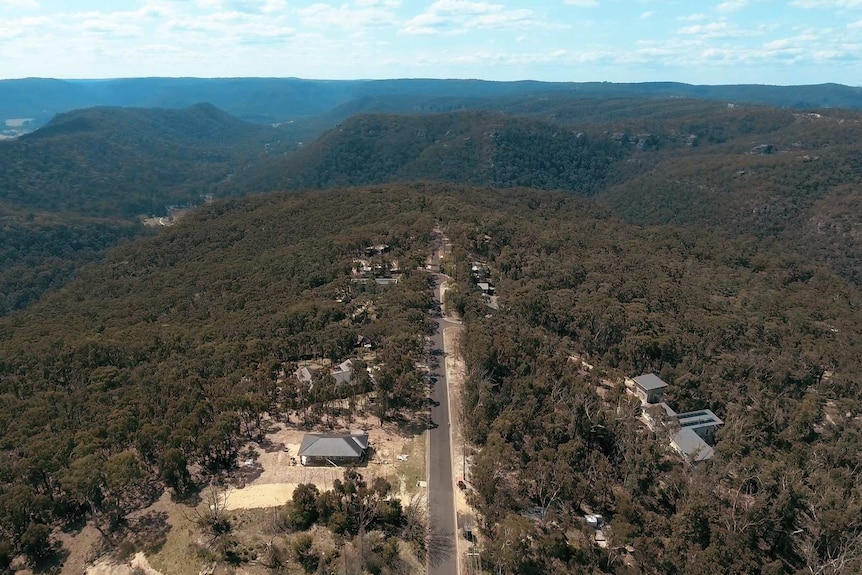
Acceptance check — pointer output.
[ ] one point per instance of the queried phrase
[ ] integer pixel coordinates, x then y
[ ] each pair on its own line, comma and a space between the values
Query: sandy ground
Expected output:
82, 549
255, 496
137, 566
455, 375
456, 371
282, 472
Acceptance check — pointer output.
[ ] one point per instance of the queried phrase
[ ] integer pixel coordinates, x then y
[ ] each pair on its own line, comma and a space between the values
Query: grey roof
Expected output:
649, 381
333, 445
697, 419
689, 443
343, 373
304, 375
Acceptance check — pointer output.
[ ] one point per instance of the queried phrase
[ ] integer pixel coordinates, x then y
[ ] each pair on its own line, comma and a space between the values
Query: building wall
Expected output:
652, 396
324, 461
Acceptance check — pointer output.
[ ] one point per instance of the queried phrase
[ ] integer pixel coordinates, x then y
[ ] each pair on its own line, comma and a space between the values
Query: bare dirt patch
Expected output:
257, 496
456, 373
139, 565
396, 456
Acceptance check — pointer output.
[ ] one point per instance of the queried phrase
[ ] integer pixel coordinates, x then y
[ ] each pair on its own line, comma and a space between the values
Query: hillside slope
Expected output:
126, 162
798, 184
470, 147
175, 344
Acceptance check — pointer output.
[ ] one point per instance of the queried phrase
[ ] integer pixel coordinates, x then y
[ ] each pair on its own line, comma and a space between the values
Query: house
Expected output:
361, 268
649, 387
386, 281
378, 249
690, 445
486, 288
692, 434
343, 372
304, 375
333, 448
703, 422
364, 342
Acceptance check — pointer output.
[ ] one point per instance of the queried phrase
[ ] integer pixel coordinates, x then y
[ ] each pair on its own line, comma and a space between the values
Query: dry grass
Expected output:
178, 555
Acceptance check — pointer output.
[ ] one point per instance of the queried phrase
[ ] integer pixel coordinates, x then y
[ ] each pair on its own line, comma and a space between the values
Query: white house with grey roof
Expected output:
342, 373
649, 388
333, 448
691, 434
690, 445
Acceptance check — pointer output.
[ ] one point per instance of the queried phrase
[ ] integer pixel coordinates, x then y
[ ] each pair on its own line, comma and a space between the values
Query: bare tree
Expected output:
824, 555
212, 518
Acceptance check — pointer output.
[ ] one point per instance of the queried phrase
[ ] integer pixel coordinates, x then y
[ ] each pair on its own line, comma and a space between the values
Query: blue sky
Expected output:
695, 41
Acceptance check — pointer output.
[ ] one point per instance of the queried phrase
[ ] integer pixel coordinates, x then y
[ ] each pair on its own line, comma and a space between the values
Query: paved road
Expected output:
441, 496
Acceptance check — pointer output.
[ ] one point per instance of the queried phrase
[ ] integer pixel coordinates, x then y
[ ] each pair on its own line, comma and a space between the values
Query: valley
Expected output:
162, 387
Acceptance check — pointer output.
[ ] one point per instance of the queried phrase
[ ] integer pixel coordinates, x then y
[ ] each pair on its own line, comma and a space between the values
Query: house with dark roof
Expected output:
333, 448
649, 388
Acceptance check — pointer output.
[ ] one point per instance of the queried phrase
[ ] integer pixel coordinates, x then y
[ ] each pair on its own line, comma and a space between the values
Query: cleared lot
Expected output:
281, 471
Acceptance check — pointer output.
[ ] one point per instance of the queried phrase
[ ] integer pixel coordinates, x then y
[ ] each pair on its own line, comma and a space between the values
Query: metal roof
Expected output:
333, 445
689, 443
700, 418
649, 381
343, 373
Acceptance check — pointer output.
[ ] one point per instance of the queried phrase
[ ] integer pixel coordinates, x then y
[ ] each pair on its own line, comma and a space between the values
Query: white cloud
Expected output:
346, 18
383, 3
855, 25
732, 5
244, 6
713, 30
827, 3
19, 4
693, 17
583, 3
458, 16
647, 15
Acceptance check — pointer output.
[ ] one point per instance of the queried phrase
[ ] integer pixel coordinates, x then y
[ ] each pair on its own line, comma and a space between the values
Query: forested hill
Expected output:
173, 346
470, 147
796, 178
127, 161
755, 171
78, 185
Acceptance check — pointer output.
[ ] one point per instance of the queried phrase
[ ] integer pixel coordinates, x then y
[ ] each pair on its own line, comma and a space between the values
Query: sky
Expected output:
696, 41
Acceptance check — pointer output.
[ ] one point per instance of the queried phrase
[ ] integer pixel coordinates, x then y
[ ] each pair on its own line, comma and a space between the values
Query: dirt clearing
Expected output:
398, 457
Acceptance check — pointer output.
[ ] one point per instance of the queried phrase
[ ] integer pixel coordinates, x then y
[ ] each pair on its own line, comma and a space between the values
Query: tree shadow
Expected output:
52, 561
439, 546
247, 472
190, 497
147, 532
270, 446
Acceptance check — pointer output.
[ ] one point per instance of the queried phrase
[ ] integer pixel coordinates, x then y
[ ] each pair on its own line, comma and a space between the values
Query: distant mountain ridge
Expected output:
272, 100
